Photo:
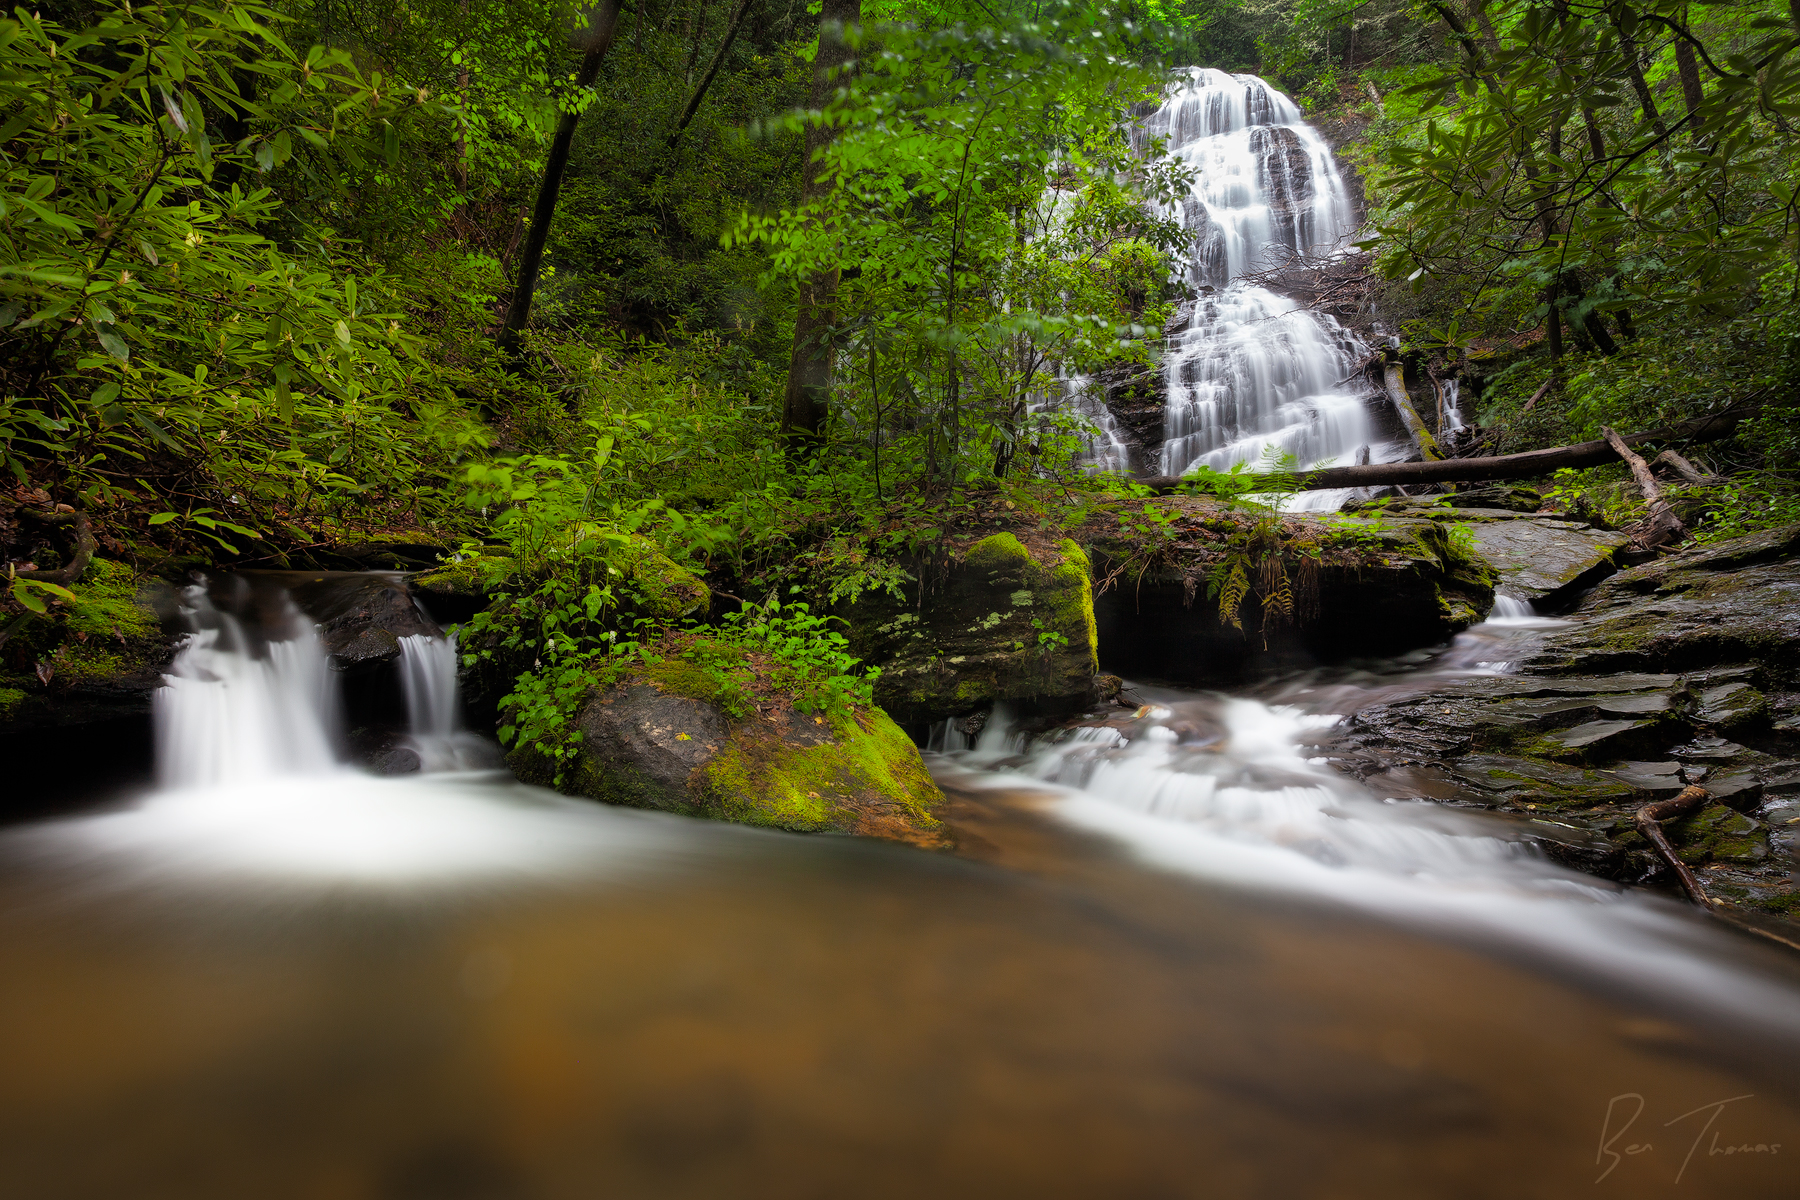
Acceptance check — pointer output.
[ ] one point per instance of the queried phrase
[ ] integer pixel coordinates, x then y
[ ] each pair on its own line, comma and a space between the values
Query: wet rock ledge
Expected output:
1685, 670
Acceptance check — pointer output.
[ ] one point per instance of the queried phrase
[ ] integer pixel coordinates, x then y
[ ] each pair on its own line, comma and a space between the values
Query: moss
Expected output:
81, 663
1718, 834
106, 603
1073, 599
668, 589
1000, 552
474, 575
707, 670
11, 699
758, 779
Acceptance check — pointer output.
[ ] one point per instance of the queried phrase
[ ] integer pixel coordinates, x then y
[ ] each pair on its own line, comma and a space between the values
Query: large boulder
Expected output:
1546, 560
721, 743
1360, 586
361, 615
1005, 621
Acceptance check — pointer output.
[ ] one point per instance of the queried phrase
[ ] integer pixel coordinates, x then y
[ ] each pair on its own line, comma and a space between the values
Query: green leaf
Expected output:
112, 343
163, 518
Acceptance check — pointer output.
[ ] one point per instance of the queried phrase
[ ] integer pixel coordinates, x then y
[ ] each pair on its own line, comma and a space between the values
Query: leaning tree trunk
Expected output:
808, 394
600, 37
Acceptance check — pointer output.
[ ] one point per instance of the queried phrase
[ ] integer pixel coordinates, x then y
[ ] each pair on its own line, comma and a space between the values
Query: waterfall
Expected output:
1248, 370
433, 708
245, 704
236, 708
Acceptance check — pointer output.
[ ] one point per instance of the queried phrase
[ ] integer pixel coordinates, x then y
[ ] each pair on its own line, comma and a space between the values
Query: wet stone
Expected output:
1655, 778
1521, 781
1718, 834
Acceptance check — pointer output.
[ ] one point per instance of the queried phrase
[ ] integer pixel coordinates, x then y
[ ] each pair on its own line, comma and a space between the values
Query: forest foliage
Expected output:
254, 258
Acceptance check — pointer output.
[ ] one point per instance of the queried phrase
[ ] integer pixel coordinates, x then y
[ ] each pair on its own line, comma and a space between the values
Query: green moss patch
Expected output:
865, 777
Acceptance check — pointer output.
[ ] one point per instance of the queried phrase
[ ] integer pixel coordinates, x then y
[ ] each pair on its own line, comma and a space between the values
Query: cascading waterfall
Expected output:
433, 708
1248, 371
231, 715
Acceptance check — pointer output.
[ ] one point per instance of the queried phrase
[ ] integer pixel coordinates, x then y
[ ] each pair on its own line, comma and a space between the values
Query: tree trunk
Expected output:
808, 394
1635, 71
1688, 67
1423, 443
1661, 525
712, 71
1529, 465
518, 312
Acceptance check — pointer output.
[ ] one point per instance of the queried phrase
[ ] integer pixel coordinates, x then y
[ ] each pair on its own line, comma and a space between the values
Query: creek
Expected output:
1178, 954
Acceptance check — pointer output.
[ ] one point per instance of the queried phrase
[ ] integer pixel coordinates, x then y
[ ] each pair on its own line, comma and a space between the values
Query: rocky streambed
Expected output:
1681, 671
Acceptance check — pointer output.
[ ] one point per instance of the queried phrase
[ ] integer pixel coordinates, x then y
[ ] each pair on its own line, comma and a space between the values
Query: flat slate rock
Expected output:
1543, 559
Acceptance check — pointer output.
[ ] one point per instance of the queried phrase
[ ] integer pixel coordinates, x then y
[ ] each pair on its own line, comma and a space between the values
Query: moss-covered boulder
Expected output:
1545, 560
704, 732
1005, 621
1355, 585
93, 660
665, 589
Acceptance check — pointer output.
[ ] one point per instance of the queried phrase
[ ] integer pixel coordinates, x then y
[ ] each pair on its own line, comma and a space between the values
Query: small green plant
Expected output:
812, 659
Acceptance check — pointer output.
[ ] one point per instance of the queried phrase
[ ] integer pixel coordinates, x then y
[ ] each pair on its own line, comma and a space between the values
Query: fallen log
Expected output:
1661, 526
1649, 823
1671, 463
1529, 465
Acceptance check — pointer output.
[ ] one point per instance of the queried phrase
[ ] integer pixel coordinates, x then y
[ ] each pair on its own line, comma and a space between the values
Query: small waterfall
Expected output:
1511, 608
433, 708
246, 704
1250, 370
237, 709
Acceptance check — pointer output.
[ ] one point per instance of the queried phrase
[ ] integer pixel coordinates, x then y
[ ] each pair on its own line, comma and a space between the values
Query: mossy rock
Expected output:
1007, 622
1717, 834
667, 589
1735, 602
476, 575
669, 737
104, 654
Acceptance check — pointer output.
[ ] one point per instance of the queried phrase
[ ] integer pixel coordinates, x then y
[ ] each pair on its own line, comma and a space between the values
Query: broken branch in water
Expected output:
1649, 820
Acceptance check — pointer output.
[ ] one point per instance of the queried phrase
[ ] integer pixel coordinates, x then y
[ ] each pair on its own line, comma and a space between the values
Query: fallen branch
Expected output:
1649, 820
1529, 465
1673, 464
1661, 526
85, 545
1543, 390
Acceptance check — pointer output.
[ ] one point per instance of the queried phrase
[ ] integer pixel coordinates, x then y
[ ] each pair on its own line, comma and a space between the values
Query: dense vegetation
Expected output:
807, 278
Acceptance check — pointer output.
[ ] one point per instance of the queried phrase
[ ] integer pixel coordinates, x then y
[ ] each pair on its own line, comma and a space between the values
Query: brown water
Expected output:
719, 1012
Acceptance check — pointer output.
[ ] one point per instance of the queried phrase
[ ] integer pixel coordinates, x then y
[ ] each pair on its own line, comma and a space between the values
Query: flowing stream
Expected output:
1176, 955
